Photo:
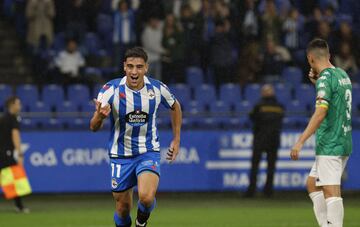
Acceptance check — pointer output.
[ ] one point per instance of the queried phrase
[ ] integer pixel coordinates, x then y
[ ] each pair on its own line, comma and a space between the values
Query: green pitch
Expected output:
175, 210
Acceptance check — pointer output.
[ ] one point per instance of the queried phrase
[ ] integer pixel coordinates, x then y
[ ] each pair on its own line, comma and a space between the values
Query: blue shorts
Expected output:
124, 171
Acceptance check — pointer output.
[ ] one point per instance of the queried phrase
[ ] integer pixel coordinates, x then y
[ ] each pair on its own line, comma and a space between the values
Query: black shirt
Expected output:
267, 118
8, 122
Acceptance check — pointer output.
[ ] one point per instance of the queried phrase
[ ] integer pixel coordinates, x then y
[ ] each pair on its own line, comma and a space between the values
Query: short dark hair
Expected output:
320, 46
10, 101
136, 52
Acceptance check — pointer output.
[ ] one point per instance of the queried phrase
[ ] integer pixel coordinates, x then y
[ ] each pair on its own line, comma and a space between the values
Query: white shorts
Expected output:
328, 169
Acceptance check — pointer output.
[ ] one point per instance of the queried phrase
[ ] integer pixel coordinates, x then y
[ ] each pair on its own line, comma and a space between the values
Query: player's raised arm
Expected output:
176, 120
99, 115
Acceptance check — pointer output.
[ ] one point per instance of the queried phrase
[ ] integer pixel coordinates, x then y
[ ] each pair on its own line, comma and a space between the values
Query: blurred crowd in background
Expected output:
231, 41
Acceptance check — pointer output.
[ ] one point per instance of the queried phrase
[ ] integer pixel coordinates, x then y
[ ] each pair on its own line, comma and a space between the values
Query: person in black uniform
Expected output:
267, 118
10, 141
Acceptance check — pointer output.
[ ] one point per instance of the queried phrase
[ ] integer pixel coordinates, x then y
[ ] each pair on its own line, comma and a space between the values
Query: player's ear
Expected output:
146, 67
124, 66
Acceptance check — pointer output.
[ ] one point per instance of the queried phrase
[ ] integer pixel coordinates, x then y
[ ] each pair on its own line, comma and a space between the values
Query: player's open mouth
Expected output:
134, 78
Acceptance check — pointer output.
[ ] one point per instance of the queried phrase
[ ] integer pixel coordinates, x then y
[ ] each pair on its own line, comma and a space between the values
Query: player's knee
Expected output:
146, 198
310, 184
123, 208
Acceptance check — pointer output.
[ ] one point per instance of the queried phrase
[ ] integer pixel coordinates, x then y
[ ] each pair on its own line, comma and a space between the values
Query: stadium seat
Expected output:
283, 93
244, 107
221, 113
66, 113
292, 75
92, 43
52, 94
92, 72
28, 94
5, 92
78, 94
205, 95
182, 93
104, 24
39, 115
194, 76
59, 42
252, 93
230, 93
305, 94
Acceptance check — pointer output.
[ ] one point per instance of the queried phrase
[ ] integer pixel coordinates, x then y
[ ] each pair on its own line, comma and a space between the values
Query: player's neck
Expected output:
324, 65
136, 88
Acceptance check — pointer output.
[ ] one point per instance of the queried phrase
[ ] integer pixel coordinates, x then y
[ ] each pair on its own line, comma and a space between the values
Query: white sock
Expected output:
320, 208
335, 211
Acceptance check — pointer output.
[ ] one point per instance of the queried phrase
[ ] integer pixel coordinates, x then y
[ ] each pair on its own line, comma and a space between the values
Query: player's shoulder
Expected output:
114, 82
156, 83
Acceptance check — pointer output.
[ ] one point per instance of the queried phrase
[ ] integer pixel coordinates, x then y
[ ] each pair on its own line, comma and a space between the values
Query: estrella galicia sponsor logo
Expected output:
137, 118
114, 183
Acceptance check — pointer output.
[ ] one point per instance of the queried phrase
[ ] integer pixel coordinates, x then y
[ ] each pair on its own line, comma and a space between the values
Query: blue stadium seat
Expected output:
5, 92
92, 43
194, 76
67, 113
252, 93
230, 93
104, 24
182, 92
78, 94
244, 107
52, 94
205, 95
87, 107
40, 115
92, 72
96, 89
292, 75
305, 94
28, 94
221, 112
59, 42
283, 93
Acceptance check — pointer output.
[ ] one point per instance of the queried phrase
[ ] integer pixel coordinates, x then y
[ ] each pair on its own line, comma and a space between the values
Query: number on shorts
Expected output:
118, 167
348, 99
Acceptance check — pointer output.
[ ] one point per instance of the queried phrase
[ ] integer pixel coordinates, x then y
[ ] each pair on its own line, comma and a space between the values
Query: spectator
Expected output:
346, 59
249, 63
291, 28
346, 34
250, 20
274, 60
329, 16
173, 59
152, 42
271, 22
221, 57
40, 14
193, 30
313, 21
76, 21
267, 120
69, 63
124, 32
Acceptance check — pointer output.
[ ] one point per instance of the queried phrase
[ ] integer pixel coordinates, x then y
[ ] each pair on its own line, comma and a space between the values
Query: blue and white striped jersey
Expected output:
133, 115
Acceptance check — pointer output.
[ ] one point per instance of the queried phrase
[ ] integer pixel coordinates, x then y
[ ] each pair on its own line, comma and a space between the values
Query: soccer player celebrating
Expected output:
332, 123
132, 103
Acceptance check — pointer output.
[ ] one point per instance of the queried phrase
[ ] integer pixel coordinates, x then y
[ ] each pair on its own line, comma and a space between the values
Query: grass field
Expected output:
175, 210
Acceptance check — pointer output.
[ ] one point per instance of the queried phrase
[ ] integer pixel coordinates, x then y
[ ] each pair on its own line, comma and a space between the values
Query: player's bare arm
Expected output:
176, 119
314, 123
99, 115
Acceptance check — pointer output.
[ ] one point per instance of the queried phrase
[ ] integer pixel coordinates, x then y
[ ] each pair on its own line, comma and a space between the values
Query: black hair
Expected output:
10, 101
136, 52
318, 44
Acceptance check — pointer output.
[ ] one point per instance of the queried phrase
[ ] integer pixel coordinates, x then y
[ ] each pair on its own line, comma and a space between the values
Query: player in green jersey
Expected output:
332, 124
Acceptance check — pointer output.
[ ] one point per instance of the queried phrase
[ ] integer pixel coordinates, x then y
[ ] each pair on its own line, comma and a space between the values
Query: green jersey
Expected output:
333, 89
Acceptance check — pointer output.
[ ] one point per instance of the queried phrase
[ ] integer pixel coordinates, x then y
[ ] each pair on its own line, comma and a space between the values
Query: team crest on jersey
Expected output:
321, 94
137, 118
151, 94
114, 183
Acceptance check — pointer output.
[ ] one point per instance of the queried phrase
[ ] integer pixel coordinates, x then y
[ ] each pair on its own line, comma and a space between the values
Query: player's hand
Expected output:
173, 150
102, 112
295, 150
312, 76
